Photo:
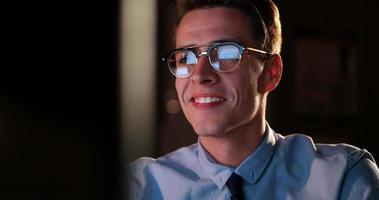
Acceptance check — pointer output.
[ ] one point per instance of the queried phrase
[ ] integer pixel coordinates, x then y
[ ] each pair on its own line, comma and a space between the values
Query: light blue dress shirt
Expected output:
282, 167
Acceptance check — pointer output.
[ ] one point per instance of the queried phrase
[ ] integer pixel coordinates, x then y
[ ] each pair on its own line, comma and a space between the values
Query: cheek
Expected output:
247, 80
180, 90
252, 78
179, 86
246, 90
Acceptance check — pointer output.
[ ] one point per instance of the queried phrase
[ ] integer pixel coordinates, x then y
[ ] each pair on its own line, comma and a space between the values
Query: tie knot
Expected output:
234, 185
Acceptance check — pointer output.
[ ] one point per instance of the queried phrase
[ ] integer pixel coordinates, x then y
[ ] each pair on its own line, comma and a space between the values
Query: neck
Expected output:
235, 146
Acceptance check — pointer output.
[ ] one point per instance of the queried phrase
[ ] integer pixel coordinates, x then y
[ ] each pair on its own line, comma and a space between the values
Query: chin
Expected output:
209, 130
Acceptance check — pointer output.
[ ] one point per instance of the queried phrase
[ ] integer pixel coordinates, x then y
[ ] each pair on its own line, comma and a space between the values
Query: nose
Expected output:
204, 74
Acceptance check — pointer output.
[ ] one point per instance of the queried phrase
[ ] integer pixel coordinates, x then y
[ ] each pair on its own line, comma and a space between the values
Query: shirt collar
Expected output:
217, 172
250, 169
254, 165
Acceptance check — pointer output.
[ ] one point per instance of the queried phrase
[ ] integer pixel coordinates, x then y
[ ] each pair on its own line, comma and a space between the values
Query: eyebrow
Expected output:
213, 42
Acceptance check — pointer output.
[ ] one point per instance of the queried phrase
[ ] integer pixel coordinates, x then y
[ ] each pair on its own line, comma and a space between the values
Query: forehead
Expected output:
206, 25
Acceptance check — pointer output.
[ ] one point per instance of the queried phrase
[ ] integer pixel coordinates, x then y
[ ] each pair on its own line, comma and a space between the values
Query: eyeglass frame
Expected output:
198, 54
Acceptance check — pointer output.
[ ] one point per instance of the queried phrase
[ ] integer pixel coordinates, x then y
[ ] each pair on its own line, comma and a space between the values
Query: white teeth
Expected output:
208, 99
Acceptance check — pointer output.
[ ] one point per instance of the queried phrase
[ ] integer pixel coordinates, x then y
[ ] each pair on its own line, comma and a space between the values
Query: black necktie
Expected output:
234, 184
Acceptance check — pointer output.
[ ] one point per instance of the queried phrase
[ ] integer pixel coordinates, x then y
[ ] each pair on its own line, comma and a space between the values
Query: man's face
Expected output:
216, 103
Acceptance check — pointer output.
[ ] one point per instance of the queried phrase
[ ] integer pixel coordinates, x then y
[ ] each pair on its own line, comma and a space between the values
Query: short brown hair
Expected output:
262, 13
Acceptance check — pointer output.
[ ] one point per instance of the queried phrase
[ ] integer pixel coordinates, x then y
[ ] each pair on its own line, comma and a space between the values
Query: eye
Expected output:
182, 59
185, 58
227, 52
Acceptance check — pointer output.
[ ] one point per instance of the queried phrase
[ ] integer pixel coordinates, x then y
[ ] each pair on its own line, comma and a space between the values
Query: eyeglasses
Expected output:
223, 57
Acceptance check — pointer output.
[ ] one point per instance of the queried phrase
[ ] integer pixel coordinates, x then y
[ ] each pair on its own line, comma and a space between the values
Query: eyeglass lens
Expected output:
223, 58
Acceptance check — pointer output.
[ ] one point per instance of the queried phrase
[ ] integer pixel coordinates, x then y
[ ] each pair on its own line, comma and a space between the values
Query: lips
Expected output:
207, 100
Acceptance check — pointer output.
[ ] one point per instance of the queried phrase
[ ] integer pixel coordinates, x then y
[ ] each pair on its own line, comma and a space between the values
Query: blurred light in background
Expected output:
172, 106
138, 71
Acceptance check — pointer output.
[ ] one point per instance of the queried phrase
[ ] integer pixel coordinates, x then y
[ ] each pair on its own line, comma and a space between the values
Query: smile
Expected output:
204, 100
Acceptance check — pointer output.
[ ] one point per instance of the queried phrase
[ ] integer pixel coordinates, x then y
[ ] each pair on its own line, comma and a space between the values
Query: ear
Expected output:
271, 74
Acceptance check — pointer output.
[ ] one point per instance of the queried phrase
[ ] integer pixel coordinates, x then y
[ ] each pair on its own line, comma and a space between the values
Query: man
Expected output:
226, 62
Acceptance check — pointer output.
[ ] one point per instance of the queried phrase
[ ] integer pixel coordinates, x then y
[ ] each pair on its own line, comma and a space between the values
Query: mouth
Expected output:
207, 101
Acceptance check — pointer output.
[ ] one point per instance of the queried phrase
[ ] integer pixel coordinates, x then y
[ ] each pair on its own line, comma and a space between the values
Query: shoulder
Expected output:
303, 144
183, 154
147, 175
361, 181
146, 168
350, 170
140, 165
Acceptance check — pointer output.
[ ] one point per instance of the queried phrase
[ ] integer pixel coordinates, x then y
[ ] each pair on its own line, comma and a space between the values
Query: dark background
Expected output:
59, 135
59, 101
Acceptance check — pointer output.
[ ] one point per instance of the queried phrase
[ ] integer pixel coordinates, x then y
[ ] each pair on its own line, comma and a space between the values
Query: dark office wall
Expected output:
333, 22
59, 101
